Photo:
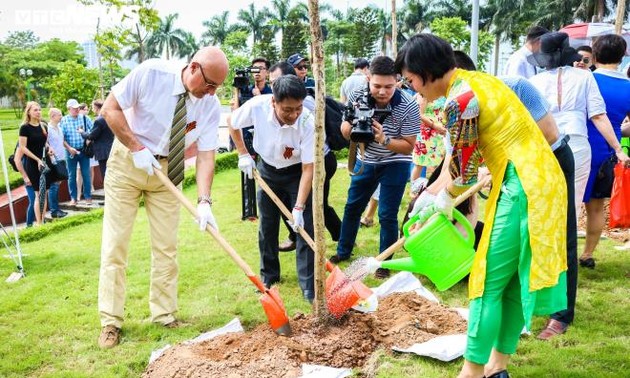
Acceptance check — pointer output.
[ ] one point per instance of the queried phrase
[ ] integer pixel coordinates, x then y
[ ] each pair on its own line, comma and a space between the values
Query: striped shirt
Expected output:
69, 125
403, 122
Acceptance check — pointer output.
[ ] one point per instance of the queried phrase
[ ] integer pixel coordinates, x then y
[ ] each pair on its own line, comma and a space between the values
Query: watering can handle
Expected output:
461, 198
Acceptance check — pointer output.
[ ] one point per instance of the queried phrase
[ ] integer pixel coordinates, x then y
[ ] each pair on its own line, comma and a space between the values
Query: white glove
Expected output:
246, 164
298, 218
444, 203
418, 184
145, 160
424, 200
204, 212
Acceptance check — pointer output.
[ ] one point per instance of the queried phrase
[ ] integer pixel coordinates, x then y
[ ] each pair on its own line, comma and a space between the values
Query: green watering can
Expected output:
438, 250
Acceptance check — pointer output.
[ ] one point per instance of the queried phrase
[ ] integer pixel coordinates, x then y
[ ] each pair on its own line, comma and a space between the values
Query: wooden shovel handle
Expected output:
282, 208
217, 236
461, 198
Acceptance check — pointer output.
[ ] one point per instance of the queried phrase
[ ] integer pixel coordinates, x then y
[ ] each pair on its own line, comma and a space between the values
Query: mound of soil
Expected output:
402, 320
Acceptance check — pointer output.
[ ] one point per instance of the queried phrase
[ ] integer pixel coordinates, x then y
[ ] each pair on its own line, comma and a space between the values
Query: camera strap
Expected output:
352, 157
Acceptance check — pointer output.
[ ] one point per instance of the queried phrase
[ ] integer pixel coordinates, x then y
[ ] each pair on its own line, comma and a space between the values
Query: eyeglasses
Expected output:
262, 68
209, 84
302, 67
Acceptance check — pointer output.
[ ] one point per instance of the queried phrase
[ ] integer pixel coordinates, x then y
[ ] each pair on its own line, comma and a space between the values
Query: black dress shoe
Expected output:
500, 374
588, 263
336, 259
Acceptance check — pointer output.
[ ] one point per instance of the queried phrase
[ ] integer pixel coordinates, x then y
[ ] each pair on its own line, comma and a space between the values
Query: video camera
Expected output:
241, 76
360, 115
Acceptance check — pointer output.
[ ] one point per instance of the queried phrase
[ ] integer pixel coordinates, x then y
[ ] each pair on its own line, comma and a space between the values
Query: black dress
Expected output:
35, 142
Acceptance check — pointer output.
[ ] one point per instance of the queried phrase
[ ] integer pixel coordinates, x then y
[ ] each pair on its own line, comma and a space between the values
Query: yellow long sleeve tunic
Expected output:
486, 120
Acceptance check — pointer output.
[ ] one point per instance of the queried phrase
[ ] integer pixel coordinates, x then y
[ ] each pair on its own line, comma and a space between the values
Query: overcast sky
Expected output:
69, 20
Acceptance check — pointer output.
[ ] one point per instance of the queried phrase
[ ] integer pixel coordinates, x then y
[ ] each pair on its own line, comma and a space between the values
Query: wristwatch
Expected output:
386, 141
204, 198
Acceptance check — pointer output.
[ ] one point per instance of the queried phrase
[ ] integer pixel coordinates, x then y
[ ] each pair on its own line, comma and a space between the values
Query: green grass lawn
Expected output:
49, 320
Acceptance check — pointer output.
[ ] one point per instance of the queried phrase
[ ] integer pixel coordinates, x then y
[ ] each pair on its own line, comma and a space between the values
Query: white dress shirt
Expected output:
148, 96
580, 98
273, 141
517, 64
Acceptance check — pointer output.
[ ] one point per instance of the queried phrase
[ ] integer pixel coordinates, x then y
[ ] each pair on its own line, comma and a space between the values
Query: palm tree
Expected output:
217, 28
278, 17
190, 48
253, 21
166, 38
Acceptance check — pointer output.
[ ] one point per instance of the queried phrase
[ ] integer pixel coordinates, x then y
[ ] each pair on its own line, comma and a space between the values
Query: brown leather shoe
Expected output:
109, 338
175, 324
287, 246
553, 328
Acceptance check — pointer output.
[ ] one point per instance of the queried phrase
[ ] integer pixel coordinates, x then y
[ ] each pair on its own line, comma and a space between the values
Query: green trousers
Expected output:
498, 316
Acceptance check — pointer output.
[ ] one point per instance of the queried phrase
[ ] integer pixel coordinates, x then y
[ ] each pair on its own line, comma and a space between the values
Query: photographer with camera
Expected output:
244, 92
388, 144
300, 65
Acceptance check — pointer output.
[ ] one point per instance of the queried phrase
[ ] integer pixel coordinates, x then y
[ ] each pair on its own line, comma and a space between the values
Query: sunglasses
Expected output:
302, 67
586, 60
209, 84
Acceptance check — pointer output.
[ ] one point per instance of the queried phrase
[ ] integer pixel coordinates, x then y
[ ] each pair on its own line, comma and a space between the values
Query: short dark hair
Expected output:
463, 61
98, 103
261, 59
383, 65
284, 67
361, 63
536, 32
427, 56
609, 49
585, 48
288, 86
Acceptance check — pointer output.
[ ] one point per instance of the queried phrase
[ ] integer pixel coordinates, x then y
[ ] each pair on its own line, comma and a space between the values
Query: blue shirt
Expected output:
529, 96
615, 89
70, 125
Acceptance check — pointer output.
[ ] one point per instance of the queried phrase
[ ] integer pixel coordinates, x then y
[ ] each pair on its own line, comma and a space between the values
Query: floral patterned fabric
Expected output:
486, 119
429, 148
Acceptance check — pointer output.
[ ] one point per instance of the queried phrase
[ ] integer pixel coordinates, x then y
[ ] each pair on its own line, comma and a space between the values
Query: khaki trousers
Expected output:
124, 186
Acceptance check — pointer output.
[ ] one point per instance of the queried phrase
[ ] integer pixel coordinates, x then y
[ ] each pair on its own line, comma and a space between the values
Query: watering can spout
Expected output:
406, 264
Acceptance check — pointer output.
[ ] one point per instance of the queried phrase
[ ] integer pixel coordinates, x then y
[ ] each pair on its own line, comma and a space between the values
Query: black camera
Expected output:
360, 115
241, 76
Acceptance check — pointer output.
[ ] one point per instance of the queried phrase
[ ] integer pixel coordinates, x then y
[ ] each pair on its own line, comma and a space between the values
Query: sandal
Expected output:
367, 222
588, 263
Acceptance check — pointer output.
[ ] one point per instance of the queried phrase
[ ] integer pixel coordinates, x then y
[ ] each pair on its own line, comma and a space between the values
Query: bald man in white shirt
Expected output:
284, 140
140, 110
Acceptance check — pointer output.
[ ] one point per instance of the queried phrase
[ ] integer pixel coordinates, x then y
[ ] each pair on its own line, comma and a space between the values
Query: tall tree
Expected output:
365, 32
253, 20
296, 35
217, 29
166, 38
456, 32
266, 47
24, 39
190, 48
278, 15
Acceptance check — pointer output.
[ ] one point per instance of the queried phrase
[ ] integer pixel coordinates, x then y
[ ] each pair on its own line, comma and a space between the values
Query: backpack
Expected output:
332, 124
12, 157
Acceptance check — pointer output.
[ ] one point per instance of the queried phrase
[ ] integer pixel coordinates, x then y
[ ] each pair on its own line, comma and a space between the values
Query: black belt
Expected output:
295, 168
160, 157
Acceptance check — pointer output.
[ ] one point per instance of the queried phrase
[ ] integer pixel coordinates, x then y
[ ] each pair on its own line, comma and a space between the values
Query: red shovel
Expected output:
270, 298
341, 293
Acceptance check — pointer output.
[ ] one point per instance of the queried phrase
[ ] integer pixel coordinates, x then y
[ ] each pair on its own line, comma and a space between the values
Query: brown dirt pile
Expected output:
402, 319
